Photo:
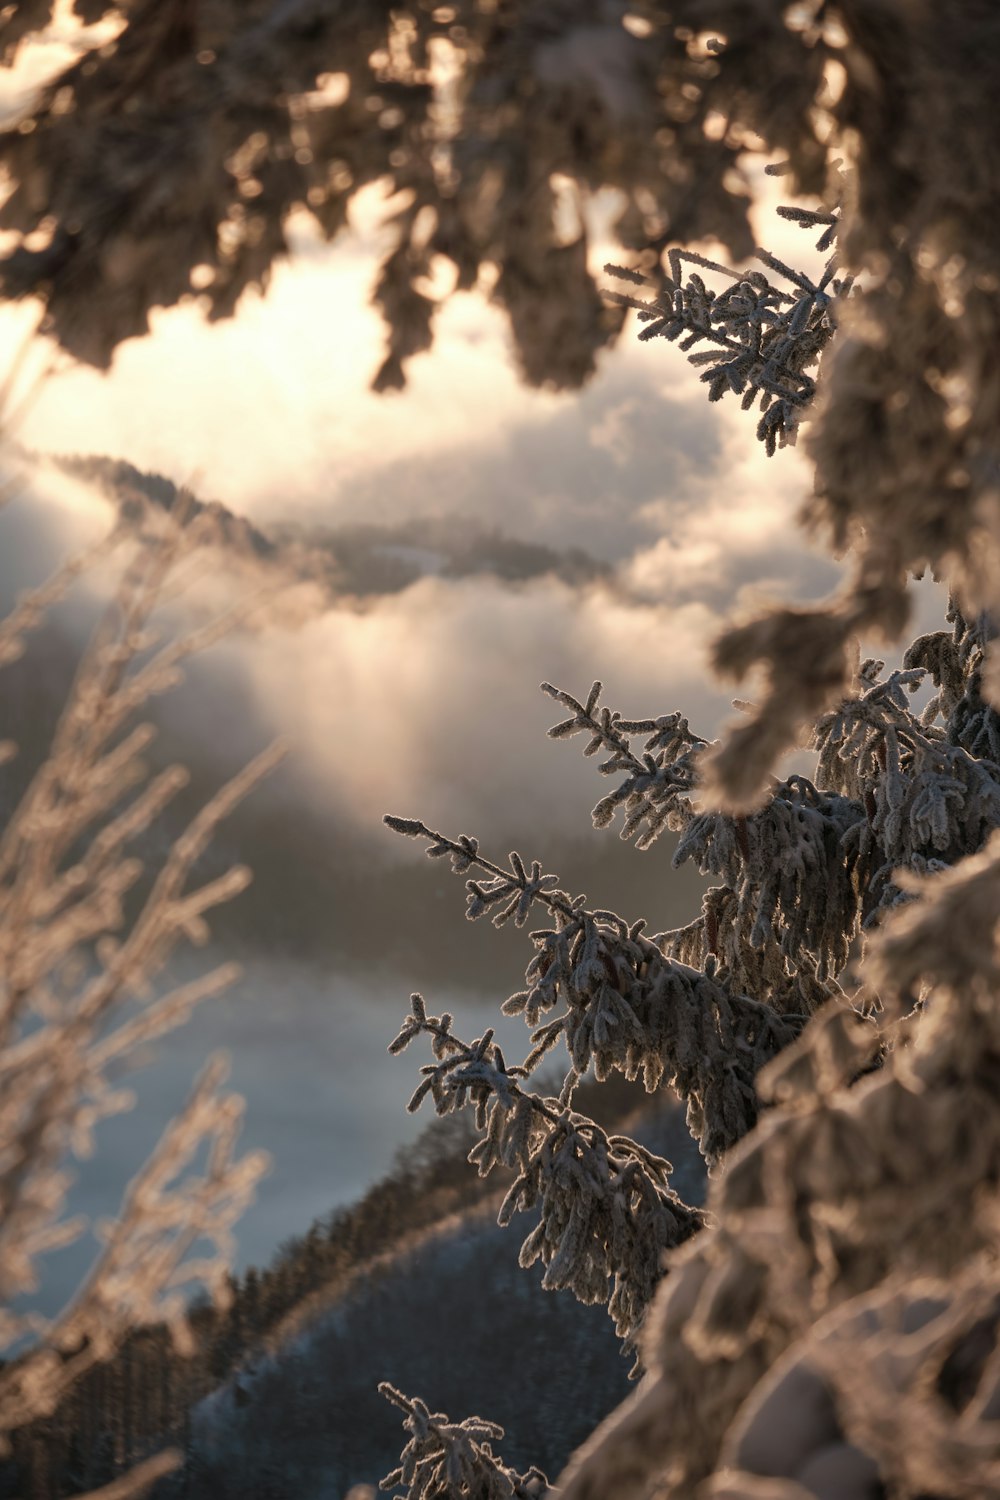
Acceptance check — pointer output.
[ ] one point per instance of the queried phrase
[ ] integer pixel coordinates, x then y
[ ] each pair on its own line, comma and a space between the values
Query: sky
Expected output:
417, 697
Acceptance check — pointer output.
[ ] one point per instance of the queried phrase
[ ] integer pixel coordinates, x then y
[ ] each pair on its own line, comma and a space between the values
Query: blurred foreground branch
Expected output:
86, 936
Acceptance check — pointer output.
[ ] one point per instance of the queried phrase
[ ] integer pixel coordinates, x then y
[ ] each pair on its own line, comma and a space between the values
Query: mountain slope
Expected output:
451, 1317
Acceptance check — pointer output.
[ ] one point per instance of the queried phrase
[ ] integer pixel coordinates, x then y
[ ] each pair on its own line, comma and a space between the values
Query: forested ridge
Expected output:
147, 1394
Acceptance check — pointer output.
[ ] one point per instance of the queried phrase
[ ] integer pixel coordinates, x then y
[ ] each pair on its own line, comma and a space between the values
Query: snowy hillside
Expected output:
443, 1319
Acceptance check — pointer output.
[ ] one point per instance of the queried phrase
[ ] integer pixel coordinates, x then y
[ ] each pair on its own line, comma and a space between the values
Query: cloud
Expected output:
422, 701
265, 415
47, 518
419, 694
271, 409
431, 698
735, 532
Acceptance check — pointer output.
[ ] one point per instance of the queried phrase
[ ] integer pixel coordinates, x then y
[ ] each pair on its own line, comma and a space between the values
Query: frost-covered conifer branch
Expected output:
765, 337
876, 1160
928, 800
607, 1213
957, 661
903, 1373
516, 887
78, 996
787, 869
843, 1192
946, 935
782, 925
915, 1376
627, 1007
656, 790
454, 1459
803, 873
